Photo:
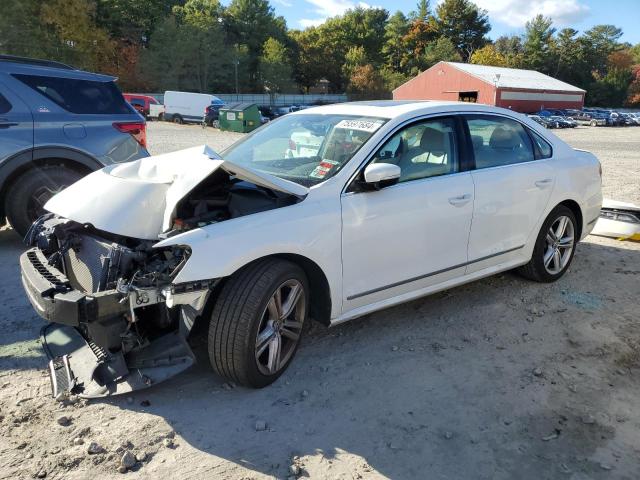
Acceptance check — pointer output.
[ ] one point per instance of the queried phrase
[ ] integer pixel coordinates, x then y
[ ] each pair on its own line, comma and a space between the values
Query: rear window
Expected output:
78, 96
5, 106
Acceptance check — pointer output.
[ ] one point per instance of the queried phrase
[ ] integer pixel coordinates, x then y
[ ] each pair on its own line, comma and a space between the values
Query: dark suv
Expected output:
57, 124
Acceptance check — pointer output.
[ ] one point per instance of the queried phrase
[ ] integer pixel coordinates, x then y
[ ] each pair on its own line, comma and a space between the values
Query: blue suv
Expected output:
57, 124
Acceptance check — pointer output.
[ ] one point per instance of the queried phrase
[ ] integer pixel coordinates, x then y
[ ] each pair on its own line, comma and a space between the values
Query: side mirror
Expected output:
380, 175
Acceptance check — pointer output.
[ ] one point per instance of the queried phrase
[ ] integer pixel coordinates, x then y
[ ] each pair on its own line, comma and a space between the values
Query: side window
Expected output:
542, 147
5, 106
499, 141
422, 150
78, 96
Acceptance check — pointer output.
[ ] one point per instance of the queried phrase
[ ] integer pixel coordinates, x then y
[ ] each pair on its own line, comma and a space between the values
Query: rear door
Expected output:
513, 179
16, 125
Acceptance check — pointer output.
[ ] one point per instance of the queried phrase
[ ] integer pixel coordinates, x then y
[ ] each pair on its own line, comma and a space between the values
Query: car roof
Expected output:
10, 66
395, 108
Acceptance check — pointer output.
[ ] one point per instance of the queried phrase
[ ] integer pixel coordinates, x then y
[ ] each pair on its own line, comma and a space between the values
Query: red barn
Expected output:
524, 91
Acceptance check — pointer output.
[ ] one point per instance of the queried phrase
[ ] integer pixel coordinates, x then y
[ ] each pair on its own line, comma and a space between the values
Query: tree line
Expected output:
204, 46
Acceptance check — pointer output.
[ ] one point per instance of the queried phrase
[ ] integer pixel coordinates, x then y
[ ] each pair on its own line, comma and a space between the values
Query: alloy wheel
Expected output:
280, 327
560, 242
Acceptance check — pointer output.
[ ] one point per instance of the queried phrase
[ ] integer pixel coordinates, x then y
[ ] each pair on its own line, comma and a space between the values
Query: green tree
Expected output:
77, 39
251, 23
510, 47
424, 11
599, 41
275, 67
394, 45
181, 50
22, 32
309, 66
464, 24
442, 50
571, 62
132, 20
538, 44
635, 52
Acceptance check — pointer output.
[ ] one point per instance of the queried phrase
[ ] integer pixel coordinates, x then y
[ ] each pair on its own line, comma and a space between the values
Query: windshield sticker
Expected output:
319, 172
362, 125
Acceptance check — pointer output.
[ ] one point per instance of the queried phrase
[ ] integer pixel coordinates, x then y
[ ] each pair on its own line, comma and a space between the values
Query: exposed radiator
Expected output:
85, 263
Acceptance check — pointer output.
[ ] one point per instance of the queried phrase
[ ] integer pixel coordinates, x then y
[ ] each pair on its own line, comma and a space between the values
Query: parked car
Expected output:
586, 118
212, 115
187, 107
629, 119
617, 120
83, 123
156, 112
563, 122
141, 103
636, 117
254, 243
544, 121
550, 112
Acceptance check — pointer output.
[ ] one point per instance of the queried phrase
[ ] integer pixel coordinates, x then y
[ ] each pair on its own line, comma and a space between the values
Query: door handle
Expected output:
461, 200
544, 183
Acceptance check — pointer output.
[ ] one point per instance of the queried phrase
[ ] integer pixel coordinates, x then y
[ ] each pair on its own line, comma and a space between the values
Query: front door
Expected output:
413, 234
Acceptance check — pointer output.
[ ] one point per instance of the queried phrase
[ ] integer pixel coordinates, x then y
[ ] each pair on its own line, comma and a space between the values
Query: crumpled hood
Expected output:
138, 199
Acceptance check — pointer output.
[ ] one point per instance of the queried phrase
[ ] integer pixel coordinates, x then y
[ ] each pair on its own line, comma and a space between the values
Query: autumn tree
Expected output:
488, 55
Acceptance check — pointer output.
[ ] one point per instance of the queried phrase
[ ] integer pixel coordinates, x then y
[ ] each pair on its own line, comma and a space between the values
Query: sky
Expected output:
505, 16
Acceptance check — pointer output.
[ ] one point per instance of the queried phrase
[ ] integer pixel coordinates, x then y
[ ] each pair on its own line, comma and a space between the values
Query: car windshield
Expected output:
306, 149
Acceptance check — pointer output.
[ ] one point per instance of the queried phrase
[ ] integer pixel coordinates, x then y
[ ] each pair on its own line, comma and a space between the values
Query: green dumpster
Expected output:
239, 117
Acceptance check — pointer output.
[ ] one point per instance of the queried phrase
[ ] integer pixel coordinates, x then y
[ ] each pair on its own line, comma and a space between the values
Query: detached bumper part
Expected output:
80, 367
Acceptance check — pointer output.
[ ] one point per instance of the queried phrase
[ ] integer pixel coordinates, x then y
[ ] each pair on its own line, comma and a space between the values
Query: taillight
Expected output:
138, 130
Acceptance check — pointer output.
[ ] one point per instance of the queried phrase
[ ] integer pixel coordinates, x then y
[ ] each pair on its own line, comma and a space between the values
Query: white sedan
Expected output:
396, 200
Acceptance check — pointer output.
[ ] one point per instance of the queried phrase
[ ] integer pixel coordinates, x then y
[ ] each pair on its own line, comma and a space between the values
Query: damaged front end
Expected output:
118, 323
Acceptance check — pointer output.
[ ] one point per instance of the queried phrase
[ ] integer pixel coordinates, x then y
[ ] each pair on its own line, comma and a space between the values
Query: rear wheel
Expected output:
28, 194
178, 119
554, 248
257, 321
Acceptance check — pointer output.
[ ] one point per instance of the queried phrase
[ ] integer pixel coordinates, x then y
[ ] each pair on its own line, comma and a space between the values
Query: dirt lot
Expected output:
499, 379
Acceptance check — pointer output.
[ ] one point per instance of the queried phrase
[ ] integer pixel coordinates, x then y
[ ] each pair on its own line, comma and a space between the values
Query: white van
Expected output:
182, 107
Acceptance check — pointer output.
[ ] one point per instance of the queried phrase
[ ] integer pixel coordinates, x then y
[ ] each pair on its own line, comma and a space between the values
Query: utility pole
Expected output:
236, 62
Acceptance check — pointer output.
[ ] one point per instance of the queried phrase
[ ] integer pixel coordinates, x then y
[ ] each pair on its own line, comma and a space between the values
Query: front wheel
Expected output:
257, 321
29, 192
554, 248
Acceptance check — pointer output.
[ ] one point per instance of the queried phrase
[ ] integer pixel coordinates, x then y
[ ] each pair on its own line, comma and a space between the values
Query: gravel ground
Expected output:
498, 379
619, 151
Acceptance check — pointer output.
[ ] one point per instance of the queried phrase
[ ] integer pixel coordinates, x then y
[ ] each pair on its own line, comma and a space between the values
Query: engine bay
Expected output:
222, 197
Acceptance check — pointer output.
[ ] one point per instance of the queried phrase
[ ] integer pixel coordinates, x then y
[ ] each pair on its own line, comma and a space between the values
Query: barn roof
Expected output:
514, 77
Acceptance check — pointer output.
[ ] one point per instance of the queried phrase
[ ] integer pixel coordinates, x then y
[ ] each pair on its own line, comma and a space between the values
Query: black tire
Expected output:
535, 269
238, 315
29, 192
593, 123
178, 119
